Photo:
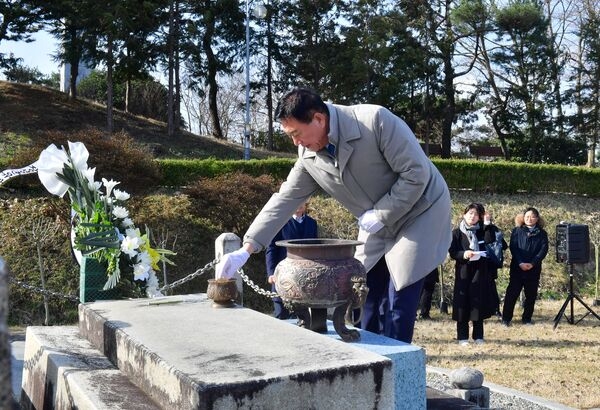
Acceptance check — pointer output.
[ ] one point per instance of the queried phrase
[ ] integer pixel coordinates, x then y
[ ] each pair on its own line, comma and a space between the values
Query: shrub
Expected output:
18, 248
232, 200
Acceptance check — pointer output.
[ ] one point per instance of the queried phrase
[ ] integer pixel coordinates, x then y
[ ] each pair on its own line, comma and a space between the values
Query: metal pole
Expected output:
247, 121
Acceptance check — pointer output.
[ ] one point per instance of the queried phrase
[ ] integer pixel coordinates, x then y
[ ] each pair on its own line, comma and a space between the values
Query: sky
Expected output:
35, 54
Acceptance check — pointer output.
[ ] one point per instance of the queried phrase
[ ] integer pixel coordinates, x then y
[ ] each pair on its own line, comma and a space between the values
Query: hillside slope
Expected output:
26, 110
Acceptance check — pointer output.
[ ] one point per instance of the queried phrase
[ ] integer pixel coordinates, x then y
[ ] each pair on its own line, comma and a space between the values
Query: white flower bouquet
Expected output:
101, 223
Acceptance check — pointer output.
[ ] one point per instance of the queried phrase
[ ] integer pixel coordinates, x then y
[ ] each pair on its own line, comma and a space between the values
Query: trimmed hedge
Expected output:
182, 172
512, 177
500, 177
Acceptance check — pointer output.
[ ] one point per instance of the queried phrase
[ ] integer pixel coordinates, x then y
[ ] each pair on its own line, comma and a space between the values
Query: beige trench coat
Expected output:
380, 166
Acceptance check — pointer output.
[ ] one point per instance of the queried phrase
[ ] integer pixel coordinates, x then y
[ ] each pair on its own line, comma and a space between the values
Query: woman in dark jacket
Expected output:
472, 291
528, 246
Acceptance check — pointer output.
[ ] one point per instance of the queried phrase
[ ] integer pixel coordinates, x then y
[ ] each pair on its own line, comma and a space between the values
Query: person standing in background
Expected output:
300, 226
471, 301
427, 294
528, 247
492, 268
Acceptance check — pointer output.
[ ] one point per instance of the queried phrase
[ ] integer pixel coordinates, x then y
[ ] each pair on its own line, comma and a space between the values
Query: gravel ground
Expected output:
500, 397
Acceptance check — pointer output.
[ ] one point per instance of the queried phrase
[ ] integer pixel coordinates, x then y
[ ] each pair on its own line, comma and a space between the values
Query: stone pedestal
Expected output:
479, 396
179, 352
468, 385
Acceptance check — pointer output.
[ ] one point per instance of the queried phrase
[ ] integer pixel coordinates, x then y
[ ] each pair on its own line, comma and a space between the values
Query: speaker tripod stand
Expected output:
569, 300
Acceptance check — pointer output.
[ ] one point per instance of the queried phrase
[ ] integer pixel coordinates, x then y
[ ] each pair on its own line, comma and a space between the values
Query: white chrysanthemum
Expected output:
127, 222
152, 286
120, 212
121, 195
130, 245
134, 233
145, 258
141, 271
109, 185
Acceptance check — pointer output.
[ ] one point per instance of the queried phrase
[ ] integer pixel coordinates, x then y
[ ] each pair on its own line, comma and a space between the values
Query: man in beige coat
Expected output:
370, 161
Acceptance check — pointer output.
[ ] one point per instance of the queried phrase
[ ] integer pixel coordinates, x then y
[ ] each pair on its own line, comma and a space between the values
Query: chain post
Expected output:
226, 243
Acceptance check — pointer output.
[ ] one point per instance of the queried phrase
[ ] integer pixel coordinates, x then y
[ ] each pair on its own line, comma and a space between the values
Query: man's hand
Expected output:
368, 222
230, 263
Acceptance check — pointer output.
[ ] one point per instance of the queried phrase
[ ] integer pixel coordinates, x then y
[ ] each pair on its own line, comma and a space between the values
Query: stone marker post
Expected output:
6, 398
468, 385
228, 242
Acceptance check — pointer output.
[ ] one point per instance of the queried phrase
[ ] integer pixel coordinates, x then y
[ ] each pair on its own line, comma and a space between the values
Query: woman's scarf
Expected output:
534, 230
470, 232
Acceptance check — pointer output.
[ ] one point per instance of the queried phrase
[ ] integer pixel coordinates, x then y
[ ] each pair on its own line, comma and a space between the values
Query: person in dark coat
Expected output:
492, 268
471, 301
427, 294
528, 247
300, 226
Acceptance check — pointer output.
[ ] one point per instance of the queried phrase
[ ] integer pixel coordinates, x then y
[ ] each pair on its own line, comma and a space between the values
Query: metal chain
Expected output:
45, 292
170, 286
255, 287
199, 272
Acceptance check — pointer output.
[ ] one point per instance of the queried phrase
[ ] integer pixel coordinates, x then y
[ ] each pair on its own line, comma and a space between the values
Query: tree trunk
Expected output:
450, 109
177, 97
109, 87
73, 74
170, 102
212, 64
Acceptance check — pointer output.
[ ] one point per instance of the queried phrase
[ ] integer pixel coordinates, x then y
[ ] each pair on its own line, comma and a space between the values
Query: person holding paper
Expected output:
472, 290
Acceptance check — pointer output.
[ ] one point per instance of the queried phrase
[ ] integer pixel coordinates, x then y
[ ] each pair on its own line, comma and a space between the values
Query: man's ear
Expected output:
320, 118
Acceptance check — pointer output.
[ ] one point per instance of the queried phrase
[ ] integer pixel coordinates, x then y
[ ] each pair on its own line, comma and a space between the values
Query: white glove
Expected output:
230, 263
368, 222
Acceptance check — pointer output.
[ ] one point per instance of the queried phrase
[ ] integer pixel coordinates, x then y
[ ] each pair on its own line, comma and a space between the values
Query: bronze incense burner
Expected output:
322, 274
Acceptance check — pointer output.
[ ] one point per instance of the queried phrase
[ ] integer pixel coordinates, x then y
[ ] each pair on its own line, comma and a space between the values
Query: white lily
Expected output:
79, 155
109, 185
52, 161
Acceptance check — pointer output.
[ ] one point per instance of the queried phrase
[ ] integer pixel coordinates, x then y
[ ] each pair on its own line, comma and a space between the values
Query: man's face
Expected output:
312, 136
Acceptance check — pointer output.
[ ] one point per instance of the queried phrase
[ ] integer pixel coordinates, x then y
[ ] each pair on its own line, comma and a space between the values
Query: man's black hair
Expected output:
300, 103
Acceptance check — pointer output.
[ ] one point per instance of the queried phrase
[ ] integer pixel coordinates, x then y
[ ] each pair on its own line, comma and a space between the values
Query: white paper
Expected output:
477, 255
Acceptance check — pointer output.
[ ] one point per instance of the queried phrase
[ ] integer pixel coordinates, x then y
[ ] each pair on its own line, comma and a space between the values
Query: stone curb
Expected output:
438, 378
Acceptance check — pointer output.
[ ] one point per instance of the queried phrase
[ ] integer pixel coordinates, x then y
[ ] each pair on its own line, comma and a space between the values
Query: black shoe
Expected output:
506, 323
528, 323
424, 317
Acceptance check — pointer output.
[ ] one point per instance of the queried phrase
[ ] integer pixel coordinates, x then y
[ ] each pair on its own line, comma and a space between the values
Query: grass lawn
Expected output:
561, 364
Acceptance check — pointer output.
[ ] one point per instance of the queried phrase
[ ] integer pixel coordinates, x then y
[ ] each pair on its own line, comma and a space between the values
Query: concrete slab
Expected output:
61, 370
408, 366
186, 354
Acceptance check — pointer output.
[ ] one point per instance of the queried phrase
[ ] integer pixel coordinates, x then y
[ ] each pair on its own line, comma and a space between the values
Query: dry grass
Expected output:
561, 364
26, 110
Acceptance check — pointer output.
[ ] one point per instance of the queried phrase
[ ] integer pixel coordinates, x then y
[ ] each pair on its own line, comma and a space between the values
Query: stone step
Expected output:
185, 354
61, 370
